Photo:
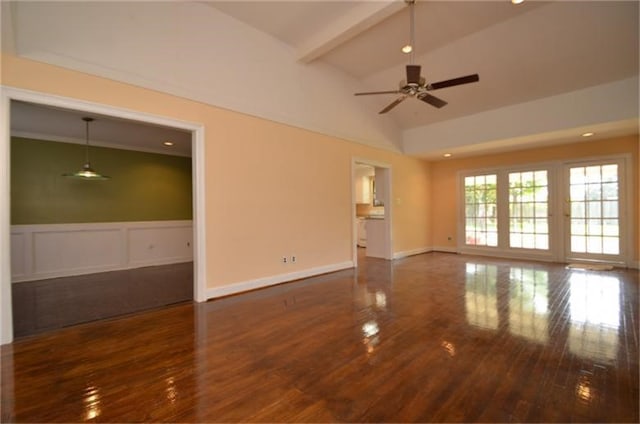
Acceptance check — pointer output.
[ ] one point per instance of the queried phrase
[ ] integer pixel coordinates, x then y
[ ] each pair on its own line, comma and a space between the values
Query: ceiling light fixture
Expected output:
517, 1
588, 134
447, 155
168, 143
86, 172
407, 49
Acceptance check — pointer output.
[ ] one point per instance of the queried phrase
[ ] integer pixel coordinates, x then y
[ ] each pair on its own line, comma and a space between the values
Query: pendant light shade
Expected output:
87, 172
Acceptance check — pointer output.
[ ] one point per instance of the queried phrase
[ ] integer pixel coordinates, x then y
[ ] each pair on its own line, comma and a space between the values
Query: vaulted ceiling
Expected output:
548, 70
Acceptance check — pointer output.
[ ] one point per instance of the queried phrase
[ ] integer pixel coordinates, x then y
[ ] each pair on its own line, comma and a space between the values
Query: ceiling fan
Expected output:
415, 85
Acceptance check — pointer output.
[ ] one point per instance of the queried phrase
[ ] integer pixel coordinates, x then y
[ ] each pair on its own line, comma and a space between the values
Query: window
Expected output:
529, 210
481, 210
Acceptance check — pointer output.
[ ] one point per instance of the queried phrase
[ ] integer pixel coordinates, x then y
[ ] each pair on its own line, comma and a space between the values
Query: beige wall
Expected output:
444, 179
271, 189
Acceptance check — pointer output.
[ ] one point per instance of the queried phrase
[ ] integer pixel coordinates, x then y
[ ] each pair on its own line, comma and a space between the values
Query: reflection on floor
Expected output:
430, 338
45, 305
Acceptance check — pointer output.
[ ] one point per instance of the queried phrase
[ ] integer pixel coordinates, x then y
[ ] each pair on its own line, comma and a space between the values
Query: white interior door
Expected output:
595, 218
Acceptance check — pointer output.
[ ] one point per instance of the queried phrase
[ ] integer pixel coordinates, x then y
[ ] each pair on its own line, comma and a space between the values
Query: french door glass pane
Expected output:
481, 210
528, 210
594, 209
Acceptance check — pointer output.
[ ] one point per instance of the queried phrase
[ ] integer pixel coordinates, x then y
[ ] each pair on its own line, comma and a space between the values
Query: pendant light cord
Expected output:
86, 148
87, 120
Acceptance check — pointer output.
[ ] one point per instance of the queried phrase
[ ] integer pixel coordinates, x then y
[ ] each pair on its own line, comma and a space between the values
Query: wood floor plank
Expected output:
430, 338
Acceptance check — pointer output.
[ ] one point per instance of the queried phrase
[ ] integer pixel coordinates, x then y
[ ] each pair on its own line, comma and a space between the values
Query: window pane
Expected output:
609, 173
577, 175
541, 194
610, 245
610, 209
595, 209
542, 241
528, 241
542, 226
592, 174
541, 210
578, 244
578, 192
594, 226
594, 191
578, 226
610, 191
470, 237
594, 244
577, 210
541, 178
610, 227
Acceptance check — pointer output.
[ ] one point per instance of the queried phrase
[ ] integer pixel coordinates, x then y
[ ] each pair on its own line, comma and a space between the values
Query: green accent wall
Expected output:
143, 186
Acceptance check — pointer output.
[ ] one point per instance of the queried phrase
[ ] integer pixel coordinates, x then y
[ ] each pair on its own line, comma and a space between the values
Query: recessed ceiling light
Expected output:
168, 143
447, 155
517, 1
588, 134
407, 49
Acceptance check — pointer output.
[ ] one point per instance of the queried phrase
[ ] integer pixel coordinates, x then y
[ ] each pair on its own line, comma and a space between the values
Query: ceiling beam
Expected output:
358, 20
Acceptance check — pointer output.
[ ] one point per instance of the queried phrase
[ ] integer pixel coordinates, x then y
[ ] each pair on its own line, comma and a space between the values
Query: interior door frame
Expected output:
7, 94
625, 208
388, 209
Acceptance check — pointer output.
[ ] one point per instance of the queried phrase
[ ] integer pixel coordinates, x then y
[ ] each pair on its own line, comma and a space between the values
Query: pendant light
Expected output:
86, 172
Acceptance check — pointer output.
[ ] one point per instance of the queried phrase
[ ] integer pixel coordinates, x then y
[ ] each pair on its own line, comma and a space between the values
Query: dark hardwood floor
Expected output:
430, 338
45, 305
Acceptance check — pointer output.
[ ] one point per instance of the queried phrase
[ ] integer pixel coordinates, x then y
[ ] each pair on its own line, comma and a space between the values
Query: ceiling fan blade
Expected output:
432, 100
455, 81
392, 105
376, 92
413, 74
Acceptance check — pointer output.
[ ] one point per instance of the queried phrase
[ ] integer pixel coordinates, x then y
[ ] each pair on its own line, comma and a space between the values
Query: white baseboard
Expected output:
244, 286
444, 249
405, 253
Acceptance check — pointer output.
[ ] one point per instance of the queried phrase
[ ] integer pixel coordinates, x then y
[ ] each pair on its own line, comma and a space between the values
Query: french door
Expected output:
595, 226
572, 211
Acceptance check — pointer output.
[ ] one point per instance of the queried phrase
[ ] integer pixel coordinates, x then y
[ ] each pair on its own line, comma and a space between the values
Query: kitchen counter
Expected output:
371, 217
376, 240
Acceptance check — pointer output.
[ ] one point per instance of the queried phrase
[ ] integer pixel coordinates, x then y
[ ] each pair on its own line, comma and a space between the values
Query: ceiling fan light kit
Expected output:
87, 172
415, 85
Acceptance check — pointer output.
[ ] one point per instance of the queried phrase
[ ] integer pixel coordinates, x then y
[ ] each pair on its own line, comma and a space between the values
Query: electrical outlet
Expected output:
293, 259
284, 259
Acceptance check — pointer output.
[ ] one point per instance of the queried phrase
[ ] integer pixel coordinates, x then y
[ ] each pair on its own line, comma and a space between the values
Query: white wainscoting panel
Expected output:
150, 246
75, 251
60, 250
18, 260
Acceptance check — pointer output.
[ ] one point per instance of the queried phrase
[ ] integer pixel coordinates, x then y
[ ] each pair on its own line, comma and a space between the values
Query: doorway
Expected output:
371, 210
197, 141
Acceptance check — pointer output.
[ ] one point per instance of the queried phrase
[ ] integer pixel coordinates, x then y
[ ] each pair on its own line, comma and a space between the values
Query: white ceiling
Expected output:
42, 122
521, 52
299, 62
